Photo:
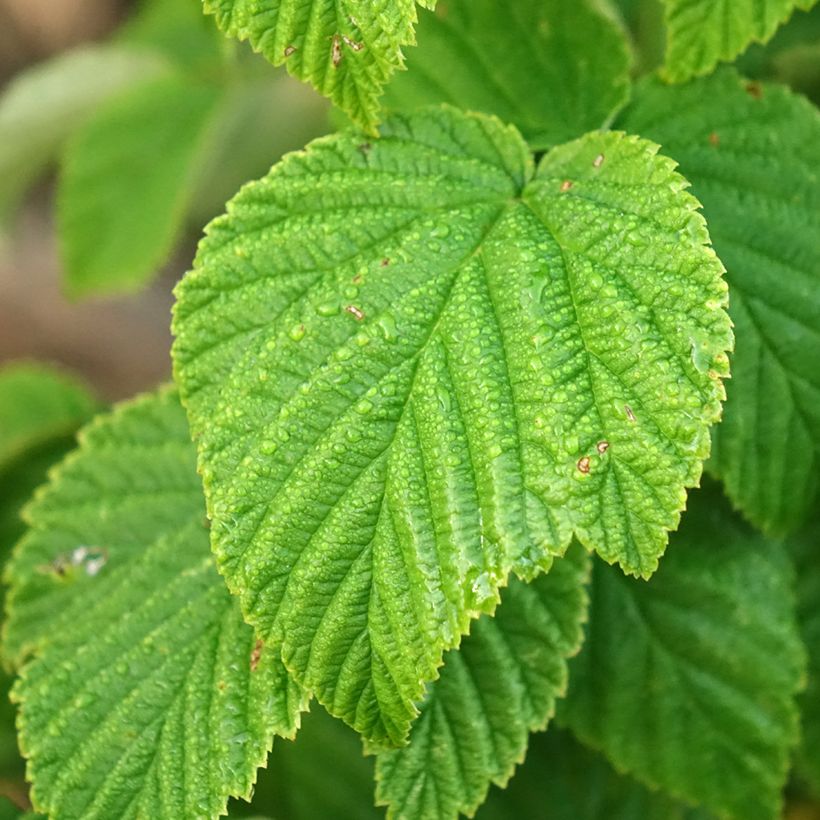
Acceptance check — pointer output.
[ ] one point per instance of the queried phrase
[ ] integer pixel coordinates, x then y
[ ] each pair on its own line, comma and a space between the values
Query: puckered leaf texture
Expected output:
347, 49
499, 686
702, 33
553, 68
147, 695
689, 682
752, 154
414, 365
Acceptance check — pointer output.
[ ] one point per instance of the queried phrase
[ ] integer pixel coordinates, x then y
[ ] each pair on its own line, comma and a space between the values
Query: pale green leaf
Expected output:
752, 154
553, 68
37, 405
126, 182
147, 695
702, 33
563, 780
499, 686
412, 365
688, 682
42, 106
347, 49
806, 551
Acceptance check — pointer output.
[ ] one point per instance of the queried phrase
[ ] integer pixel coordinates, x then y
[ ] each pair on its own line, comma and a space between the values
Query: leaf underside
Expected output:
689, 682
752, 154
147, 694
500, 685
414, 365
702, 33
346, 49
529, 62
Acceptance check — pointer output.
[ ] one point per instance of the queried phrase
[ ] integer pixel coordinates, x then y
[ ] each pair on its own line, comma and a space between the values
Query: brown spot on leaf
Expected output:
336, 53
598, 161
754, 90
352, 43
356, 312
602, 447
583, 465
714, 139
256, 654
290, 50
629, 414
385, 262
565, 186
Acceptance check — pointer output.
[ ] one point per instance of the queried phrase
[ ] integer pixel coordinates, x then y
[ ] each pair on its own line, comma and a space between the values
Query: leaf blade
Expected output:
147, 692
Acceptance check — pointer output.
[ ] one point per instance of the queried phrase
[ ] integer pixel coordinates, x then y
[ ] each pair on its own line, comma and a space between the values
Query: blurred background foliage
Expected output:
124, 128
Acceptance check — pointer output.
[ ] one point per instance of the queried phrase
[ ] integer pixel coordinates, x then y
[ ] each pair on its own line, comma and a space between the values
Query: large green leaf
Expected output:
38, 405
689, 681
499, 686
752, 154
413, 365
42, 106
563, 780
806, 551
702, 33
147, 696
127, 179
347, 49
553, 68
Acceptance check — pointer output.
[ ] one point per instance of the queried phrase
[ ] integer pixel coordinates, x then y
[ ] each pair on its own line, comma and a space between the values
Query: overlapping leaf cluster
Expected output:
427, 371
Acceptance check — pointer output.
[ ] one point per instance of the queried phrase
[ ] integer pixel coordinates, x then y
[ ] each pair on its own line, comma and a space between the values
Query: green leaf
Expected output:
752, 154
702, 33
688, 682
42, 106
413, 365
346, 50
553, 68
147, 695
806, 551
126, 183
499, 686
37, 405
563, 780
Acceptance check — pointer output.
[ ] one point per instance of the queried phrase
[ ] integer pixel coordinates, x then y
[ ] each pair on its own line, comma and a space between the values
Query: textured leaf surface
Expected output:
688, 682
806, 551
413, 365
347, 49
127, 178
499, 686
37, 405
41, 107
553, 68
752, 154
147, 695
563, 780
702, 33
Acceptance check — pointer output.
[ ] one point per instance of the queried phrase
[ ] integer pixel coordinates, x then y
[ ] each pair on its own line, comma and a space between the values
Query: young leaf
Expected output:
346, 50
148, 695
553, 68
126, 181
38, 404
412, 365
752, 154
702, 33
806, 551
689, 682
499, 686
570, 782
42, 106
